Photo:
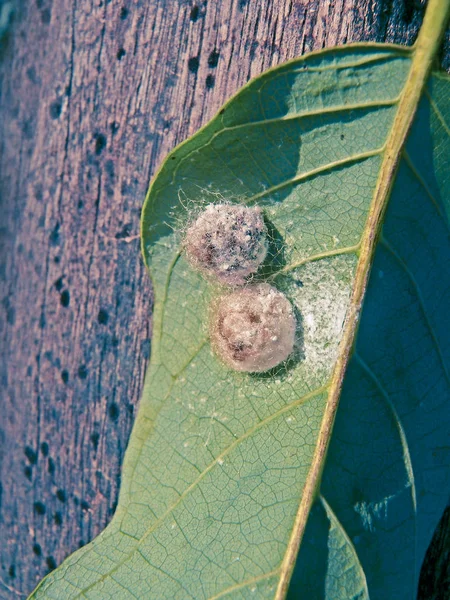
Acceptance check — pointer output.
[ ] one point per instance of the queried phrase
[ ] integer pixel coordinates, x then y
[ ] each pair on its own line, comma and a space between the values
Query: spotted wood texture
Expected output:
93, 95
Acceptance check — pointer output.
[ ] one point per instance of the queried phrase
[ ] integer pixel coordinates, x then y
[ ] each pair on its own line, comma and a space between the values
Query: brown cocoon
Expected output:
227, 242
253, 329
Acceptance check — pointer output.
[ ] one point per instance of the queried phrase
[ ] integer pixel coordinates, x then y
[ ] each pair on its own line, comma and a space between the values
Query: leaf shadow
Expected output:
276, 252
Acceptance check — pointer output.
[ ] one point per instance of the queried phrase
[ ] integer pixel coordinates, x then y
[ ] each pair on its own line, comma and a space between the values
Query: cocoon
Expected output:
227, 242
253, 328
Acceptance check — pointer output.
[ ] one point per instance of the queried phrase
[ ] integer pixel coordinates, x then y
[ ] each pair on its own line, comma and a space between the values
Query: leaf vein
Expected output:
420, 299
423, 183
348, 160
326, 254
403, 440
396, 52
244, 584
437, 112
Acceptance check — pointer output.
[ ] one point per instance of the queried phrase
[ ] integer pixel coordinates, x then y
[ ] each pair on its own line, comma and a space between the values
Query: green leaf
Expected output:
222, 468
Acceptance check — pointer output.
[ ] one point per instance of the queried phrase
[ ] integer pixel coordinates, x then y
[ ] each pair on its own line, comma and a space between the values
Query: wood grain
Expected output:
94, 93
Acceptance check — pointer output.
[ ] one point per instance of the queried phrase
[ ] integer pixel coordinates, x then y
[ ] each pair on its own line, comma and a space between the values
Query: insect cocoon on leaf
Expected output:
227, 242
253, 329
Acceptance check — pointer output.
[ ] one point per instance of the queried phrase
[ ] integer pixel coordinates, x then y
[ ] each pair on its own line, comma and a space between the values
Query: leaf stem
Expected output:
423, 53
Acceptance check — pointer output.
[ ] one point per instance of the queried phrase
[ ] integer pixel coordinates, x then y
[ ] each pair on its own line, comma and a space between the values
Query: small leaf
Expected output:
223, 467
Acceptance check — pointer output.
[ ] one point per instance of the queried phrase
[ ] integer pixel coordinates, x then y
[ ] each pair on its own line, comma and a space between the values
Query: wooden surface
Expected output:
94, 93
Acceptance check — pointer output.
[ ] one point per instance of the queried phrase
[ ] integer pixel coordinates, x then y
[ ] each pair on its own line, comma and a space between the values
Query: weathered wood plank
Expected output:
94, 93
